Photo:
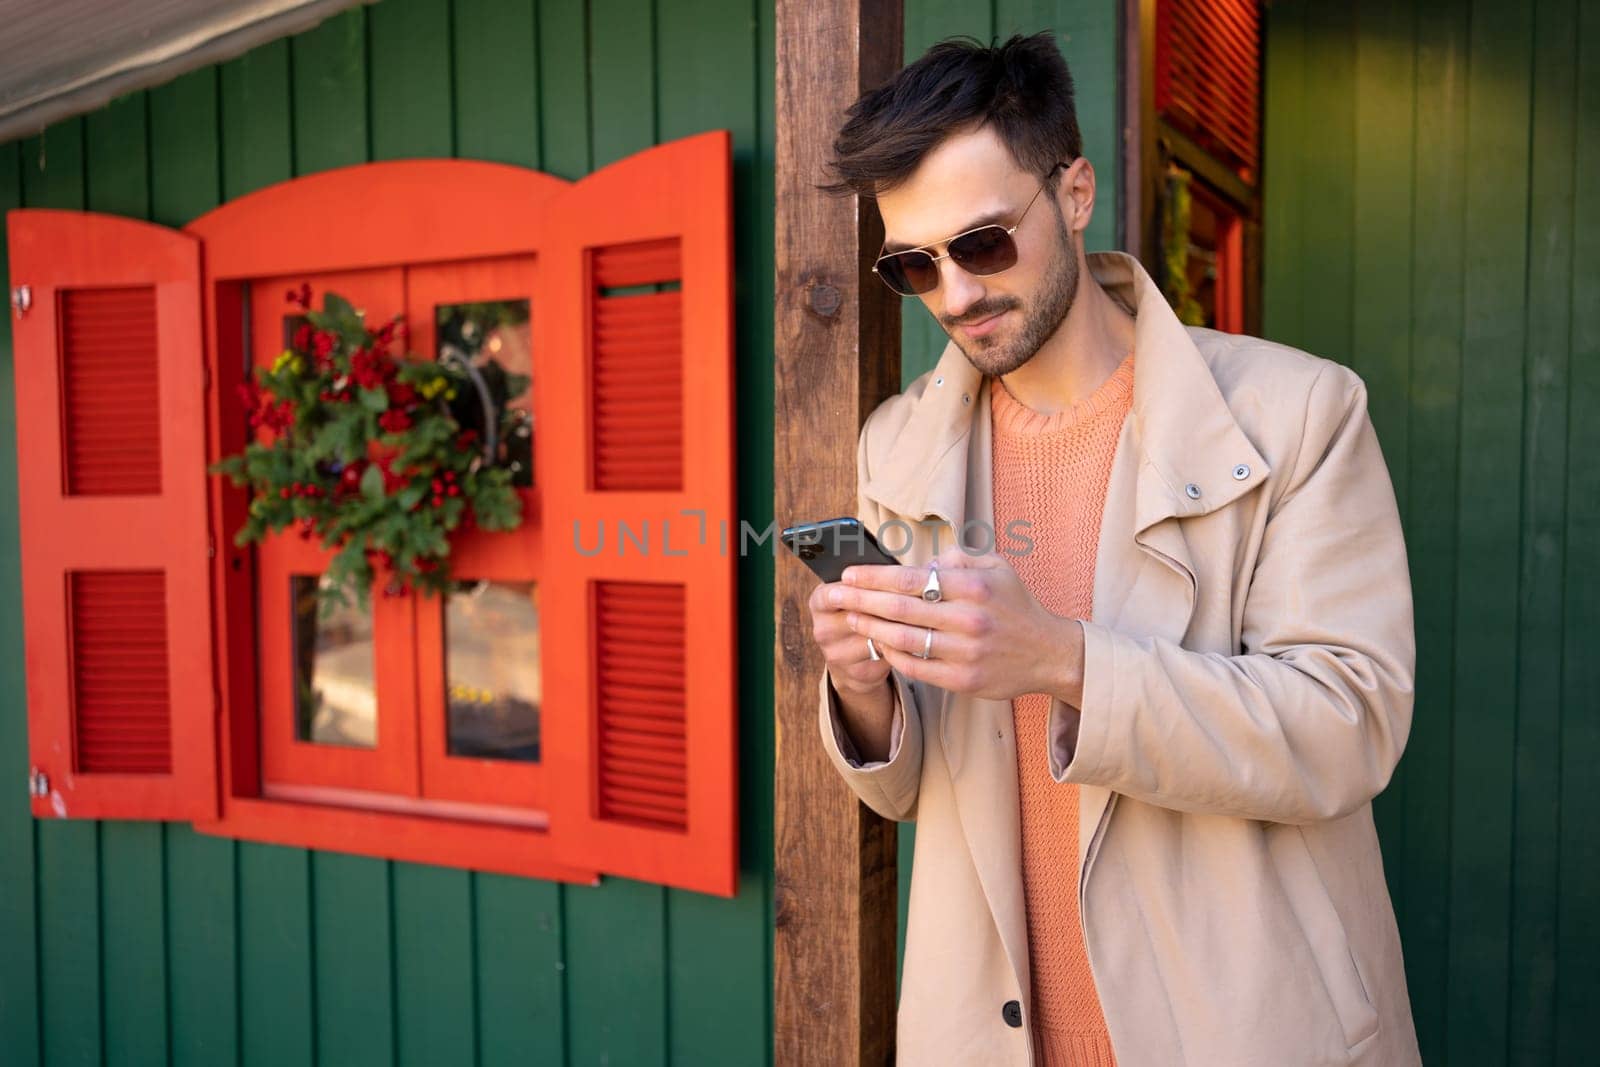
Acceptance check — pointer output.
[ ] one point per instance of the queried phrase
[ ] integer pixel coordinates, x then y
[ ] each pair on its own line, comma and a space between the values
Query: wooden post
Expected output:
837, 348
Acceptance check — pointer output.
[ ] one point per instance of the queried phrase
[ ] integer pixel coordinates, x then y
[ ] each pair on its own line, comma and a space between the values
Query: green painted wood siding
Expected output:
1426, 225
137, 943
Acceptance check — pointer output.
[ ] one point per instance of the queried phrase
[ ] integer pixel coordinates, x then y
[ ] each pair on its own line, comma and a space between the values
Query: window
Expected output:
555, 714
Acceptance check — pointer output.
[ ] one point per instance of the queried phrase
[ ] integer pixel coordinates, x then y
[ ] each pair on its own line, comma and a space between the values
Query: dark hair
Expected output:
1022, 88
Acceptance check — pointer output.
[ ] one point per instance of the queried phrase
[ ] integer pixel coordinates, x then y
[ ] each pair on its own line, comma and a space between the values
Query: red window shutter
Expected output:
1208, 77
635, 411
111, 491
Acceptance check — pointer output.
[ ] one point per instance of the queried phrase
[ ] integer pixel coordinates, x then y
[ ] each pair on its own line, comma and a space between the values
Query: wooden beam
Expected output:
837, 345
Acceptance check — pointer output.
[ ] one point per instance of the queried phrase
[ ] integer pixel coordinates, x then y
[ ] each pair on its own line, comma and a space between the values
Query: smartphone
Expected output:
829, 546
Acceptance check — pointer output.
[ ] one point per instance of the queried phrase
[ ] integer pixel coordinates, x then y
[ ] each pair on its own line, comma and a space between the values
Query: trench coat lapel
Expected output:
1179, 433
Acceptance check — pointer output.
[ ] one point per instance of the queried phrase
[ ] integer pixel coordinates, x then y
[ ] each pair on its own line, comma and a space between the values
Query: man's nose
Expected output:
961, 290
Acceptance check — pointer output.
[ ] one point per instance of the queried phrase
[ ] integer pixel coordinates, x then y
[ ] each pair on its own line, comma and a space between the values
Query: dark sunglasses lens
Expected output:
909, 273
985, 251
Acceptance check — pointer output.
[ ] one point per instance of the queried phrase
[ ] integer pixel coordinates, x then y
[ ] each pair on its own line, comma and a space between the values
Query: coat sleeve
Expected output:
1309, 722
889, 787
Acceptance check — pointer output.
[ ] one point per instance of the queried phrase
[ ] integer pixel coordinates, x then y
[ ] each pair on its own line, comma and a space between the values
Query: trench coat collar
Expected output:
1194, 458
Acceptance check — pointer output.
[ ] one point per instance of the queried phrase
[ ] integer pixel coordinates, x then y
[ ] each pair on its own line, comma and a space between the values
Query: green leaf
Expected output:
372, 483
374, 399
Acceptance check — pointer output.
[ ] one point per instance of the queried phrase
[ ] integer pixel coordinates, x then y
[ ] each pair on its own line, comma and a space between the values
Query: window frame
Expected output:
367, 217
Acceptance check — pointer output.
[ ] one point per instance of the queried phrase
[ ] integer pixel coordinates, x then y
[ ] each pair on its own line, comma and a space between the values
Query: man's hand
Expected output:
991, 638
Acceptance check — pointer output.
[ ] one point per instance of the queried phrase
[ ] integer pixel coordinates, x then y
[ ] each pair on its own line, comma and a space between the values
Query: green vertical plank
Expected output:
256, 138
133, 899
564, 103
354, 959
520, 971
433, 965
202, 948
1283, 162
432, 942
410, 57
1577, 994
616, 974
19, 978
622, 78
185, 164
1328, 204
68, 852
330, 93
1536, 800
1493, 346
1439, 196
1087, 36
69, 942
717, 961
496, 80
926, 22
277, 1018
1381, 309
202, 931
132, 867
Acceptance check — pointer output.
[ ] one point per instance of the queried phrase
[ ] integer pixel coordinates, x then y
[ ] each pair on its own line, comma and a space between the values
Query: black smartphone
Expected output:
829, 546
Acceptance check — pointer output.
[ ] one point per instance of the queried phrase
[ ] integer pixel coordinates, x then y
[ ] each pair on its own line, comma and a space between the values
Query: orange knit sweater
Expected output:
1052, 470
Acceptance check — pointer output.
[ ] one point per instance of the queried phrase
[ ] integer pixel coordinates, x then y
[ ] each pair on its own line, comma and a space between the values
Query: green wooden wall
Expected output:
137, 943
1427, 224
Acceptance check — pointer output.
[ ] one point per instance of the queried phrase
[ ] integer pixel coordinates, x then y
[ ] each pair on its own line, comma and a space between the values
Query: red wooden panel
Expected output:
112, 498
642, 716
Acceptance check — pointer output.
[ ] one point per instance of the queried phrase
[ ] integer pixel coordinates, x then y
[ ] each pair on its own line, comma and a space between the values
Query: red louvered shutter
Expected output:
635, 358
1208, 77
111, 491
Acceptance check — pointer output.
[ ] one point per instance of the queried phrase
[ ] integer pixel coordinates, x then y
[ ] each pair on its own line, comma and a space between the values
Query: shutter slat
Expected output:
122, 699
639, 642
110, 400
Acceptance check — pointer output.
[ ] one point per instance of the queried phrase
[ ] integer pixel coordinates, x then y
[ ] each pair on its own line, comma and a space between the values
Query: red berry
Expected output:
437, 500
454, 490
284, 492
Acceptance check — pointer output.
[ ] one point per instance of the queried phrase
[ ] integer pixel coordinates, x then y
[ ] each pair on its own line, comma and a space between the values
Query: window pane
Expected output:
492, 680
494, 332
335, 693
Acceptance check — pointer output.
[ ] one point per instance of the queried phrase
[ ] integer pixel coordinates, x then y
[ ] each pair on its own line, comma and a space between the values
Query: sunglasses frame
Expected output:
1009, 231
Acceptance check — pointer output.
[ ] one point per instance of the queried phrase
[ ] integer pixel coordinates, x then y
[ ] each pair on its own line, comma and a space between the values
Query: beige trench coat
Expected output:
1247, 691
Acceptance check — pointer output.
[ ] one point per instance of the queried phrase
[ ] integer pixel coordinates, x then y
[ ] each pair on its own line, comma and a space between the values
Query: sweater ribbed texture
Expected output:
1052, 471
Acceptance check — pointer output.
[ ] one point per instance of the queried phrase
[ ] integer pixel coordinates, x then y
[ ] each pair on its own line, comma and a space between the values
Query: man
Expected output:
1140, 723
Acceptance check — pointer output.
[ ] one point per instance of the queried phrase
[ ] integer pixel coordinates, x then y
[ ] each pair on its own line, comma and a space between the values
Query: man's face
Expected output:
965, 179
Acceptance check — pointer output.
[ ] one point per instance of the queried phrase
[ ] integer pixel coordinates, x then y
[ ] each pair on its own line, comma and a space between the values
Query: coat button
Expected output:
1012, 1013
1193, 491
1241, 472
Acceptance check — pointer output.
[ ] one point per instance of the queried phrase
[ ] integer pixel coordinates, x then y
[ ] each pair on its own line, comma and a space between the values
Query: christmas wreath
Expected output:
381, 456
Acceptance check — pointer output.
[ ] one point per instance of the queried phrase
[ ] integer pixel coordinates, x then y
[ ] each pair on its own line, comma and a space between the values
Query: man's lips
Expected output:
978, 329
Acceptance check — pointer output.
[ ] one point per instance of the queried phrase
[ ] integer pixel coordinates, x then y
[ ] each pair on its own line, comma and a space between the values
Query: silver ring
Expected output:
930, 590
872, 650
927, 644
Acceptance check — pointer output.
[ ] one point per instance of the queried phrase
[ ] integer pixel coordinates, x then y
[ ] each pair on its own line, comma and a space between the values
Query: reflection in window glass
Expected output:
496, 337
492, 680
335, 692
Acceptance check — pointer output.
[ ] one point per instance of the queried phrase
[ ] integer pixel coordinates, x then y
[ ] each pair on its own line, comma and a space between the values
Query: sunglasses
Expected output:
982, 251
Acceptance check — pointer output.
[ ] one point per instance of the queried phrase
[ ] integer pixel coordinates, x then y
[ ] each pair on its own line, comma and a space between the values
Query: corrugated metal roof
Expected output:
64, 57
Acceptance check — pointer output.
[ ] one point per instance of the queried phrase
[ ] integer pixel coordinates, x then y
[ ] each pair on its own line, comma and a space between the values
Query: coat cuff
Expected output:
889, 786
1084, 760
